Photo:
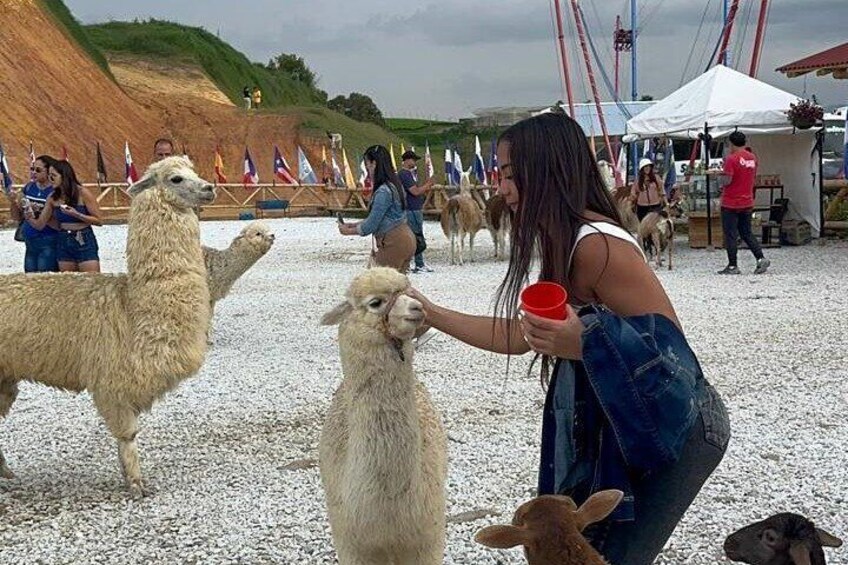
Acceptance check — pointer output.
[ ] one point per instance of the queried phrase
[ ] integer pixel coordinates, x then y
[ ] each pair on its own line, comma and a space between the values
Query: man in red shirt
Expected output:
737, 203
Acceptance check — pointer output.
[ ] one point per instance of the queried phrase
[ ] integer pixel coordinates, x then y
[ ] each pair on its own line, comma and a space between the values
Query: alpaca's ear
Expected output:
826, 539
336, 315
597, 507
503, 537
800, 553
141, 186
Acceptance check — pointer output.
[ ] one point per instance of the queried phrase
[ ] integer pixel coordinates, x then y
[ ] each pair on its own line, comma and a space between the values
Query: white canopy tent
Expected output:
725, 100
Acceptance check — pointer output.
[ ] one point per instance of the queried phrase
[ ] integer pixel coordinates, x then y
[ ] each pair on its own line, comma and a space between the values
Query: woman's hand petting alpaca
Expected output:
558, 338
425, 303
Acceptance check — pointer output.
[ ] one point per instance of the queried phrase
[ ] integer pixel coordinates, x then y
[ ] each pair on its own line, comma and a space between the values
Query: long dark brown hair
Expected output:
68, 190
384, 173
558, 181
652, 177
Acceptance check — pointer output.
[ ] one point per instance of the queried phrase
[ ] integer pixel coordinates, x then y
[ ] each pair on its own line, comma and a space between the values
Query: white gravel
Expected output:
215, 451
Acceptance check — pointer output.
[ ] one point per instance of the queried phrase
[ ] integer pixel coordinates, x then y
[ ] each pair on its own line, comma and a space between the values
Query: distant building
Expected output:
586, 115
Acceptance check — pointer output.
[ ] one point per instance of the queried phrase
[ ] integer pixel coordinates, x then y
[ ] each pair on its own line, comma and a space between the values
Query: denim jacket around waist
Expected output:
626, 409
386, 212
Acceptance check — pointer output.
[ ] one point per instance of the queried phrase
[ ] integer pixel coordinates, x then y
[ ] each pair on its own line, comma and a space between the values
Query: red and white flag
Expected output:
31, 162
129, 168
250, 174
281, 168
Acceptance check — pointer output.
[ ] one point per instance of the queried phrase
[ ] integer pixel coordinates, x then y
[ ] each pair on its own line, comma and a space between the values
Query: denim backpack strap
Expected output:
646, 393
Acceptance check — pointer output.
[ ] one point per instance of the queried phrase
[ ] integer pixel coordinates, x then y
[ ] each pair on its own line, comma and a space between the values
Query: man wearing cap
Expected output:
415, 202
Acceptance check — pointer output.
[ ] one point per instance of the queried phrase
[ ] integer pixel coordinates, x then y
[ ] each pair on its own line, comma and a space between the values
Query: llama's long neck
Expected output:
240, 258
384, 427
168, 294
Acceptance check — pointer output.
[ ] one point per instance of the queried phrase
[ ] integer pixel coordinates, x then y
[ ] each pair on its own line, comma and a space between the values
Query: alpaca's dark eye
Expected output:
376, 303
176, 180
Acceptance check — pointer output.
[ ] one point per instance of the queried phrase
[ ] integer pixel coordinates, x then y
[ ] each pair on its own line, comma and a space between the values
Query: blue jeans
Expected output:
662, 498
415, 219
40, 255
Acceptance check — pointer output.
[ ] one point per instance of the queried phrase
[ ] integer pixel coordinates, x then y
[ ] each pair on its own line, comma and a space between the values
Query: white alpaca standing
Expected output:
383, 452
127, 339
225, 266
462, 215
656, 235
550, 529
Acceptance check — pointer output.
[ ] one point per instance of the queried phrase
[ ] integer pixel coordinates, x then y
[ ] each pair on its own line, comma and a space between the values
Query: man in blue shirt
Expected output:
415, 196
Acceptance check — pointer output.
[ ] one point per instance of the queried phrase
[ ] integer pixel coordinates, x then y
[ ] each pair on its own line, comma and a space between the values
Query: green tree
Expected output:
295, 67
358, 106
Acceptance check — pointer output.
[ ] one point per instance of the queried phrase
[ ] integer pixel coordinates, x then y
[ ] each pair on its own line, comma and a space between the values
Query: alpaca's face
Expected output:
256, 237
179, 184
377, 298
403, 314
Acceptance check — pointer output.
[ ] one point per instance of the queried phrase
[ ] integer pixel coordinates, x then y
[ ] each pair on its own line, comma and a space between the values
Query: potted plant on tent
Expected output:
805, 114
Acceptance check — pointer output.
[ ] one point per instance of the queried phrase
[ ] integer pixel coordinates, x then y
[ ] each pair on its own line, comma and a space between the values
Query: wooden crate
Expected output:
698, 230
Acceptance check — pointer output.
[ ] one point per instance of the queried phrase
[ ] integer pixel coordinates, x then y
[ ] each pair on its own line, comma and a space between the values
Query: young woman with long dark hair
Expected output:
76, 209
647, 193
386, 219
657, 437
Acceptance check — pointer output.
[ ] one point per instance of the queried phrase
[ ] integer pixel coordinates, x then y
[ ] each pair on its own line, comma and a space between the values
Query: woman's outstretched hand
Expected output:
558, 338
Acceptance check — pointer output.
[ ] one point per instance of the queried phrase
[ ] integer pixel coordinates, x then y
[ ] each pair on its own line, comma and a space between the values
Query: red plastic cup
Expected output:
545, 299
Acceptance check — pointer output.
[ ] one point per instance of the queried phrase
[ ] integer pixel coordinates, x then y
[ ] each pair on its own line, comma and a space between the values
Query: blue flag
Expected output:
448, 167
457, 166
479, 164
307, 175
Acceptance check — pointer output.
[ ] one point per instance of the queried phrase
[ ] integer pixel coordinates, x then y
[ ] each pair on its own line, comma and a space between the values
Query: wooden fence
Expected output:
234, 199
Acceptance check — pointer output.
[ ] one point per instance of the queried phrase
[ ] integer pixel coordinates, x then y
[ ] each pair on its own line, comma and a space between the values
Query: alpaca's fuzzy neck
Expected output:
168, 294
566, 549
384, 427
241, 256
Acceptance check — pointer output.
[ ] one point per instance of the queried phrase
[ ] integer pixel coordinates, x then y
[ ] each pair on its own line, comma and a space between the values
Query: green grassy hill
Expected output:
76, 32
229, 69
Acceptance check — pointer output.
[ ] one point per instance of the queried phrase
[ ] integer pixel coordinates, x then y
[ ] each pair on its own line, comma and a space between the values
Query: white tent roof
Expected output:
724, 99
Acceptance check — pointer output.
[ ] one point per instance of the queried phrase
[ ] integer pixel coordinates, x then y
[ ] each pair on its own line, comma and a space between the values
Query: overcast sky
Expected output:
446, 58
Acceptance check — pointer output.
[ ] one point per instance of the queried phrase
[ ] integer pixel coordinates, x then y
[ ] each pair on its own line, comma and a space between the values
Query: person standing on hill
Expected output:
415, 196
257, 97
737, 203
245, 92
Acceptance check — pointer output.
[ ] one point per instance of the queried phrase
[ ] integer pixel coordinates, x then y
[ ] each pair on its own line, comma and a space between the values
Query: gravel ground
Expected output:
217, 453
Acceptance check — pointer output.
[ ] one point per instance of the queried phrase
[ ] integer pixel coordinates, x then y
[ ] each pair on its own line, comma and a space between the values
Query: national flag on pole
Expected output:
479, 163
365, 179
101, 166
494, 169
64, 152
457, 166
647, 150
350, 181
670, 169
220, 177
250, 175
392, 154
307, 175
31, 162
130, 174
428, 162
402, 150
4, 172
448, 167
338, 178
281, 168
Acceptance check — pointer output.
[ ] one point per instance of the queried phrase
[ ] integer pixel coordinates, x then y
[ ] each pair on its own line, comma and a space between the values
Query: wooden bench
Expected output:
272, 208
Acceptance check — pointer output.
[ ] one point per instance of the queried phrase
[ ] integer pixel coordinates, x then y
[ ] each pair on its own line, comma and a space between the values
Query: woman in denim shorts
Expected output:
76, 209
